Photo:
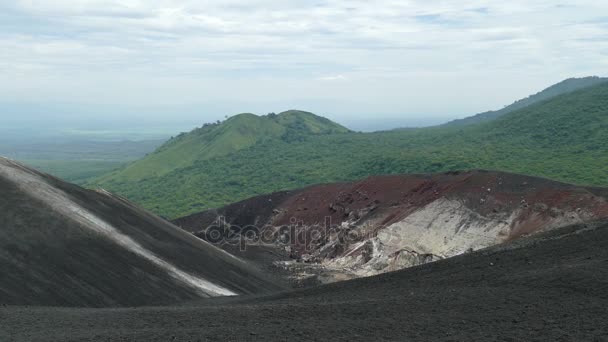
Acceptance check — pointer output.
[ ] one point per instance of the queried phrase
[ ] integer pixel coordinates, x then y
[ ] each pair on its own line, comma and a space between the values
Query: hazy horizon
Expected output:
369, 66
172, 120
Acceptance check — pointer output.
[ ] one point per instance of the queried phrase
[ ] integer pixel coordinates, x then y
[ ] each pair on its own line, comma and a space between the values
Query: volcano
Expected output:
61, 245
387, 223
547, 287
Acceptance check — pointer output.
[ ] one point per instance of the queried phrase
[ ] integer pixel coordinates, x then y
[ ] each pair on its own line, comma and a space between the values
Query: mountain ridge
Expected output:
563, 87
564, 138
386, 223
217, 139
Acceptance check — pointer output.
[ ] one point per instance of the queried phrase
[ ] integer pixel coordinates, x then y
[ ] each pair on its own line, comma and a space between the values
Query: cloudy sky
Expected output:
415, 62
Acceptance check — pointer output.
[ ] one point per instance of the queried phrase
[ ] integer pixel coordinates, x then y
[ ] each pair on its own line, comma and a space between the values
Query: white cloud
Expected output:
419, 56
332, 78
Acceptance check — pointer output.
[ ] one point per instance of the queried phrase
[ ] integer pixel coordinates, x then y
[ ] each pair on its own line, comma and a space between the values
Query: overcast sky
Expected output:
411, 61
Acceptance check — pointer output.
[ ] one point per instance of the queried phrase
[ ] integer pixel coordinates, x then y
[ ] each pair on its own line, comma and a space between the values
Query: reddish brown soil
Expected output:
388, 199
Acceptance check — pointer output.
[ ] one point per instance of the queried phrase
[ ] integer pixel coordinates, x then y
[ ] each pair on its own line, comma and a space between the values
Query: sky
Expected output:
385, 62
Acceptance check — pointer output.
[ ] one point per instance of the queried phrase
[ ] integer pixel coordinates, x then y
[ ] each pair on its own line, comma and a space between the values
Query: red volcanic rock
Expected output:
385, 223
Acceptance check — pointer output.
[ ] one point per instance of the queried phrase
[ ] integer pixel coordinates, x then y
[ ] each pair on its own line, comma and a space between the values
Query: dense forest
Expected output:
564, 138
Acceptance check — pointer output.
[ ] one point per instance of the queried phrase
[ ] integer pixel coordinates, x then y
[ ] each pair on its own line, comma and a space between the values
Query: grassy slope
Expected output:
238, 132
565, 138
564, 87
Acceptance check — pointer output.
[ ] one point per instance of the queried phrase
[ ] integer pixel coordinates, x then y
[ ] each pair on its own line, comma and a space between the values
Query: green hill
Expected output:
564, 87
563, 138
220, 139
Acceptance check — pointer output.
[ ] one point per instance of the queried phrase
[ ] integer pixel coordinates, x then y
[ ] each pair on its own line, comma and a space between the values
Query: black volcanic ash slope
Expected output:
64, 245
548, 288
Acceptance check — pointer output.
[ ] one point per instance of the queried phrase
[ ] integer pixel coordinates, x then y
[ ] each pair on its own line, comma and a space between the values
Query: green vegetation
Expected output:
78, 160
564, 138
75, 171
564, 87
220, 139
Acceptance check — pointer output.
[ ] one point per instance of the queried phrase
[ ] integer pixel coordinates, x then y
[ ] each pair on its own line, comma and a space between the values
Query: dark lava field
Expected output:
553, 287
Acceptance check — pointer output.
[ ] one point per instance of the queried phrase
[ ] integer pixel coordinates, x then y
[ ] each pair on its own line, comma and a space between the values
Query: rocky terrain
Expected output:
549, 287
385, 223
61, 245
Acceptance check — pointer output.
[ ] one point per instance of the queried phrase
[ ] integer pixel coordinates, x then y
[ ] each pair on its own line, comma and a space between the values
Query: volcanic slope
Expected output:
551, 287
63, 245
386, 223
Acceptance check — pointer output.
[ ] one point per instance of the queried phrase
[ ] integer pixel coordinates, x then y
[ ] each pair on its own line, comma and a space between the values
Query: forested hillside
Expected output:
564, 138
564, 87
